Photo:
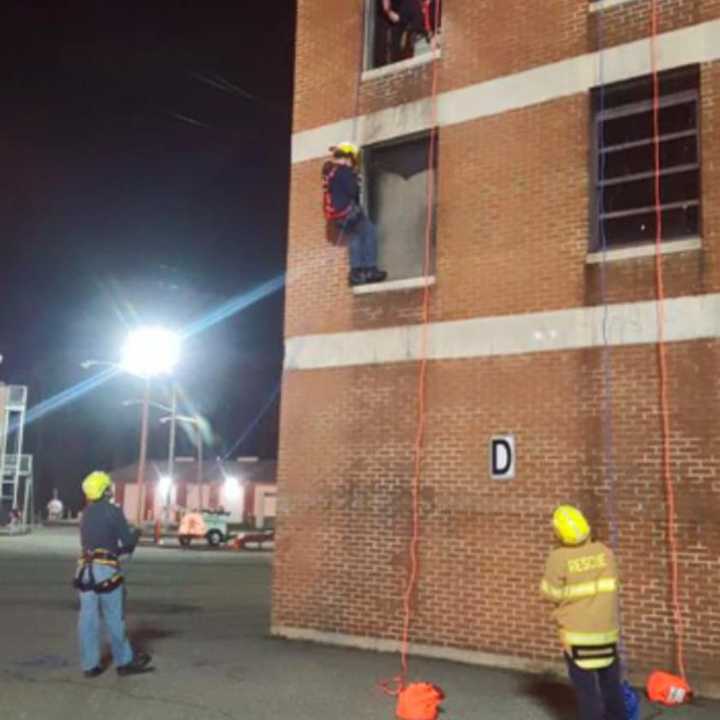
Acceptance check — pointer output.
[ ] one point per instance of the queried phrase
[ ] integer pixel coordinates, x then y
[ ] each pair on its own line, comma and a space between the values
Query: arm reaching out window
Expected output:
392, 16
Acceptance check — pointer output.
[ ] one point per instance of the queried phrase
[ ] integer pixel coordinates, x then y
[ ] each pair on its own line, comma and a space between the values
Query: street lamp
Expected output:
232, 489
165, 484
198, 422
150, 351
171, 442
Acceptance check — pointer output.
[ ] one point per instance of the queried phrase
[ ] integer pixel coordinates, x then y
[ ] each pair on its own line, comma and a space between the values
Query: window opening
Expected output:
624, 165
396, 177
397, 30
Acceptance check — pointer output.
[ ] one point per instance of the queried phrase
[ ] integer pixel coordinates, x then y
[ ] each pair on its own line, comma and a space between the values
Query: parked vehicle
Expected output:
209, 525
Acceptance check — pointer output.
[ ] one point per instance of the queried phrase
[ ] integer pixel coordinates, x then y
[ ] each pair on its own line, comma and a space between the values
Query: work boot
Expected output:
358, 276
375, 275
93, 672
137, 666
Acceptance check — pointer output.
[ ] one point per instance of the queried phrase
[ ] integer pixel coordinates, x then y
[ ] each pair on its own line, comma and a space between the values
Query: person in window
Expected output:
346, 220
409, 21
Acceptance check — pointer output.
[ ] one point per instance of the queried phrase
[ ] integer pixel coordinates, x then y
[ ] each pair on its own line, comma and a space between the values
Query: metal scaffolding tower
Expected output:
16, 471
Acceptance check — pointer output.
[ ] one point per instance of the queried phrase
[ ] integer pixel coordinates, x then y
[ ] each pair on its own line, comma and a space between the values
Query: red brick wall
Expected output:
344, 489
512, 238
481, 40
632, 21
513, 229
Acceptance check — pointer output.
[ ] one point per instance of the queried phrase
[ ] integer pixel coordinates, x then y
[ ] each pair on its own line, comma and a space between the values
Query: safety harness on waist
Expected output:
331, 213
85, 577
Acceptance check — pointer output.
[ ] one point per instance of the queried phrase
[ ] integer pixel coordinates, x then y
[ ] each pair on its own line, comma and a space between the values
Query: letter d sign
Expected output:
502, 457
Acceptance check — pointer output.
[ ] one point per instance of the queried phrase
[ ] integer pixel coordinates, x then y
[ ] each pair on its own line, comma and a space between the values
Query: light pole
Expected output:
171, 445
148, 351
198, 422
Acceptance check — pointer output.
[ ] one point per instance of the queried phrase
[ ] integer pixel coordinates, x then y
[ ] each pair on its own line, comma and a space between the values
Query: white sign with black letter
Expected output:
502, 457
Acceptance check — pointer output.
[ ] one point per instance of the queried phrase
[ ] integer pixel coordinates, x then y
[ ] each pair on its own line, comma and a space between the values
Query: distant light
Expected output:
150, 351
165, 483
232, 489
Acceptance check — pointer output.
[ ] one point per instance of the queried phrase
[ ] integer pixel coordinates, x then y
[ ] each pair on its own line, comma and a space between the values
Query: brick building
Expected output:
544, 157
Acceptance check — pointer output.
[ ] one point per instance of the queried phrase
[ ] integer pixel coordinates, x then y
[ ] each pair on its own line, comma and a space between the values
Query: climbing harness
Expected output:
329, 210
84, 580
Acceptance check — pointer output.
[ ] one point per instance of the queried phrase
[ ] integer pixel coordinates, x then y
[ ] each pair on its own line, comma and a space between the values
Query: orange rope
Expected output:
422, 372
662, 358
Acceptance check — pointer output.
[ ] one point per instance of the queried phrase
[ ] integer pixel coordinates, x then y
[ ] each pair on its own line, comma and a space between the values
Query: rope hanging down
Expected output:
419, 701
662, 356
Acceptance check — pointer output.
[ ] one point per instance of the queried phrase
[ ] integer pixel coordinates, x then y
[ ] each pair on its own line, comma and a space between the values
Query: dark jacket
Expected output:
412, 15
104, 527
344, 187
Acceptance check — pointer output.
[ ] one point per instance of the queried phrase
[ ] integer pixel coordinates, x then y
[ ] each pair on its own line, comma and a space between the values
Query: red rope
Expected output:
413, 569
662, 358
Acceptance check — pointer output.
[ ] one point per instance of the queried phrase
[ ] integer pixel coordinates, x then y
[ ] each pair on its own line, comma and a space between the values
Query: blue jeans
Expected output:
111, 605
362, 242
599, 692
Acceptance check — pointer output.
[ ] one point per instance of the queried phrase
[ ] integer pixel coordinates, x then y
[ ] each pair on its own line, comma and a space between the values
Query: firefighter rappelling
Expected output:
347, 222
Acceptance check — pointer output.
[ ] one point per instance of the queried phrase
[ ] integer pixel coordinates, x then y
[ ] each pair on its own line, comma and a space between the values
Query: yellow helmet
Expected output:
570, 525
346, 148
95, 485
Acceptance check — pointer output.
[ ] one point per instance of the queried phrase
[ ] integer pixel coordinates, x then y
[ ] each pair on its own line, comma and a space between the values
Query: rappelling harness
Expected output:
332, 214
85, 577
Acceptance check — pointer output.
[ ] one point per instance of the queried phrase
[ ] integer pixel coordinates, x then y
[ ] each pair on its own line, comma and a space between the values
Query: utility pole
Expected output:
200, 464
143, 452
171, 451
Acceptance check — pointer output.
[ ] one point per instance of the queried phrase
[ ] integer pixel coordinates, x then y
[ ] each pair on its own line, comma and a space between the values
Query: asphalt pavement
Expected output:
205, 615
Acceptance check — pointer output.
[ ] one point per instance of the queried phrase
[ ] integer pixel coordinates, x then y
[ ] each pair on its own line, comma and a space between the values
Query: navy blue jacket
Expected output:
344, 187
104, 527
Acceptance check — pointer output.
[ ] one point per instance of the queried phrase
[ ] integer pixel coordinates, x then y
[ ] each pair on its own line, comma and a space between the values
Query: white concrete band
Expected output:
696, 44
602, 5
686, 318
468, 657
669, 247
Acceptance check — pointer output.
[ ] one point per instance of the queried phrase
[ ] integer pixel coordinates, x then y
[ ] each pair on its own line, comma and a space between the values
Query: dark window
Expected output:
398, 194
624, 159
389, 42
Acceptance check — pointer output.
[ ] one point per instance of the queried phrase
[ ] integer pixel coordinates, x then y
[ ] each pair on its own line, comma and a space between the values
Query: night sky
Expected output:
145, 155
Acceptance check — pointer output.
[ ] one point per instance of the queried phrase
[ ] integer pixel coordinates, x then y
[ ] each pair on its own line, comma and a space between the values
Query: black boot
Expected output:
358, 276
94, 672
375, 275
137, 666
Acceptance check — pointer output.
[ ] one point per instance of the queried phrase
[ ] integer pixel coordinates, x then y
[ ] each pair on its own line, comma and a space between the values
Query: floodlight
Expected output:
150, 351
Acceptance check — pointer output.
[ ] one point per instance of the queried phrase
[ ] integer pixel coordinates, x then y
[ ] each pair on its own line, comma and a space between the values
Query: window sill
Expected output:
669, 247
394, 285
602, 5
399, 67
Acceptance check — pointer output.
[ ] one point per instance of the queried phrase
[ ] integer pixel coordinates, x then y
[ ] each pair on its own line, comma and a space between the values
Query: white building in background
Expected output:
244, 487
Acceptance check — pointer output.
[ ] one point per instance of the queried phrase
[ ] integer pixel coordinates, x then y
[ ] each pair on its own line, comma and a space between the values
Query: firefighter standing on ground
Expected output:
581, 579
346, 219
105, 535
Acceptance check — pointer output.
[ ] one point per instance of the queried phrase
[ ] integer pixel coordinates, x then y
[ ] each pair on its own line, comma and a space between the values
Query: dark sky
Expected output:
144, 170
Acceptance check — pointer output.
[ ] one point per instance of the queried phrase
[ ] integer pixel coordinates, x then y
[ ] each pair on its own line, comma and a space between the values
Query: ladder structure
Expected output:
16, 471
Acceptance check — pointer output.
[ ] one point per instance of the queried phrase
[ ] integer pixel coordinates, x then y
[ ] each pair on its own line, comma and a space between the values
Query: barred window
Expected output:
624, 211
